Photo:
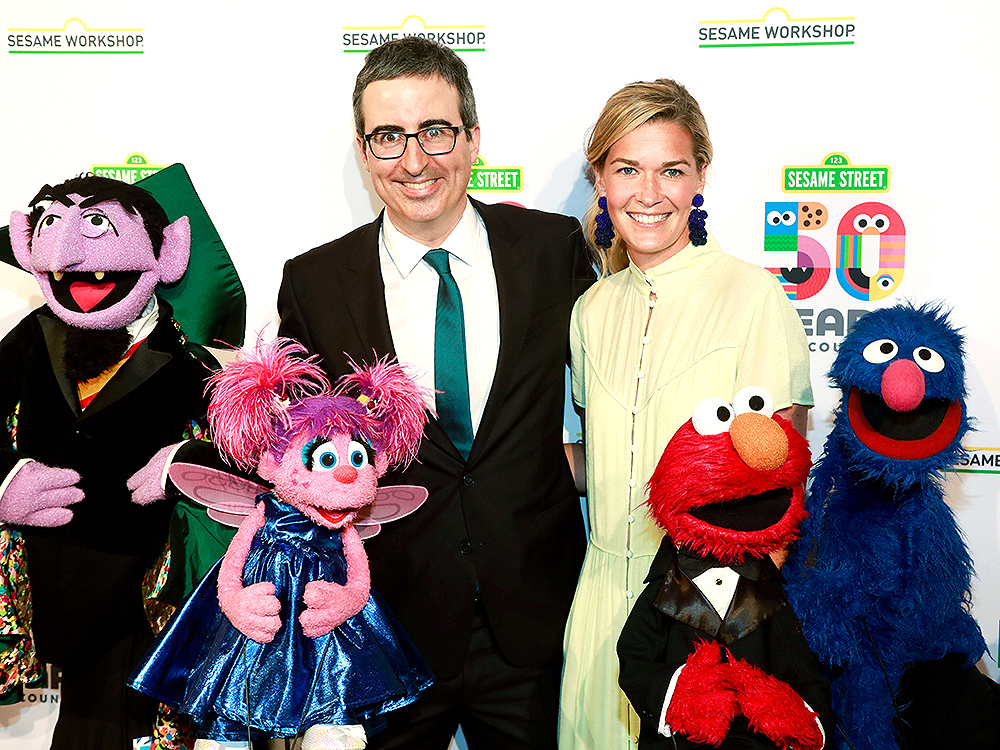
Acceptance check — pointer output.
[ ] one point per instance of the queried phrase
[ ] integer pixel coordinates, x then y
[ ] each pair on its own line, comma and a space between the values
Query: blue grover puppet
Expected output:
881, 579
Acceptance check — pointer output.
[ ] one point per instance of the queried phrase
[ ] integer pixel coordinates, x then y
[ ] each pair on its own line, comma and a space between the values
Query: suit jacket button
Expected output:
469, 480
465, 548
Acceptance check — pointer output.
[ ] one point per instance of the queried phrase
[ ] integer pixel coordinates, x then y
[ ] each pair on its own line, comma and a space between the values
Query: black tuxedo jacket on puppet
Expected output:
508, 518
671, 615
86, 576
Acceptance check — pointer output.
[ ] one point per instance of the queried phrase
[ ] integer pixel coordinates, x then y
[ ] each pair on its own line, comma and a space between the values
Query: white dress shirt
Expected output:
411, 301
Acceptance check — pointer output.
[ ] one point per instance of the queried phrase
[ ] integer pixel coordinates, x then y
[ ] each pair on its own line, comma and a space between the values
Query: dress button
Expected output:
469, 480
645, 340
632, 483
641, 374
652, 288
631, 518
465, 548
635, 448
629, 594
628, 554
652, 303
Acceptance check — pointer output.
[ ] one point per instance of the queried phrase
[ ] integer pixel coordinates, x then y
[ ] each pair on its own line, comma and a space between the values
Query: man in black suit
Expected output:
483, 575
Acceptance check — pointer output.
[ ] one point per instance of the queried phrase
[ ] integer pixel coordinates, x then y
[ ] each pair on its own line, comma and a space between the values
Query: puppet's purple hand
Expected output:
38, 495
146, 484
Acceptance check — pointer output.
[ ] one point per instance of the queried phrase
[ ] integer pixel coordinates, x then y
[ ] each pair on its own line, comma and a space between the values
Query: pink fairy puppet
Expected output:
285, 635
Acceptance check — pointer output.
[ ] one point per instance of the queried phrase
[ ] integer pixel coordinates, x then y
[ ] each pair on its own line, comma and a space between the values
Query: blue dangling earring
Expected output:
697, 233
604, 231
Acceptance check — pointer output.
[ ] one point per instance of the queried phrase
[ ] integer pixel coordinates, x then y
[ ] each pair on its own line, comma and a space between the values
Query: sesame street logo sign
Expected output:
868, 243
136, 167
485, 178
836, 175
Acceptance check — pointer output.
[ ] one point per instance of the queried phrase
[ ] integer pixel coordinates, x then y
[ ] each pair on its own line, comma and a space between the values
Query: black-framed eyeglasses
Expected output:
436, 140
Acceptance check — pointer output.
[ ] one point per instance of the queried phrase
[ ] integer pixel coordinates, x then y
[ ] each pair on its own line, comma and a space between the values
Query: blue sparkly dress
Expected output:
208, 669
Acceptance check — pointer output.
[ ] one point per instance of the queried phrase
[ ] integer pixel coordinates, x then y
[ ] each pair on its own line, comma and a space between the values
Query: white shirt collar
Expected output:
142, 326
406, 253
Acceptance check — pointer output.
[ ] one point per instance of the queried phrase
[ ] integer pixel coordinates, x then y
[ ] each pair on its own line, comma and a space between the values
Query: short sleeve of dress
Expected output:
775, 353
576, 354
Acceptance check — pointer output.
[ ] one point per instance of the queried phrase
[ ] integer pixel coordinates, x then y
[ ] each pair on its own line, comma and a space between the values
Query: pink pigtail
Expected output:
394, 400
250, 397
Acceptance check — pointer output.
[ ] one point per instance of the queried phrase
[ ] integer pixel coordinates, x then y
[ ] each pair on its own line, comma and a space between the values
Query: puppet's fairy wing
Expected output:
390, 503
229, 498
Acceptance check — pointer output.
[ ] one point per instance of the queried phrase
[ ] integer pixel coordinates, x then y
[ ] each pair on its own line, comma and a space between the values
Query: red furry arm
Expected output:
252, 610
774, 709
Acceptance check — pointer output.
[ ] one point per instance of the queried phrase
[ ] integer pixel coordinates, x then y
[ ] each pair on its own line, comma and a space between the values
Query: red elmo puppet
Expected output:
712, 654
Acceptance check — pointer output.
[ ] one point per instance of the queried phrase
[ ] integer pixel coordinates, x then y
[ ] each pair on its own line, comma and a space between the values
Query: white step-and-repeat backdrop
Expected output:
836, 104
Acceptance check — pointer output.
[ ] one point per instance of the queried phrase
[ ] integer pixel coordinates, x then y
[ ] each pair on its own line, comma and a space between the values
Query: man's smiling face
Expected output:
425, 196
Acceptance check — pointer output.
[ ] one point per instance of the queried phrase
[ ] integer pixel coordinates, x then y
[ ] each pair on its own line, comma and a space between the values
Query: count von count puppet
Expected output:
285, 636
712, 655
92, 384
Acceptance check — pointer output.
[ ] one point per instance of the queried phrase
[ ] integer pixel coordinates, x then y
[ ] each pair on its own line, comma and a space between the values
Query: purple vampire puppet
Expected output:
93, 384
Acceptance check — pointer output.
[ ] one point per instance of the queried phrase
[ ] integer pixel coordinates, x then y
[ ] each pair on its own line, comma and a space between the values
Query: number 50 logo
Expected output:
871, 243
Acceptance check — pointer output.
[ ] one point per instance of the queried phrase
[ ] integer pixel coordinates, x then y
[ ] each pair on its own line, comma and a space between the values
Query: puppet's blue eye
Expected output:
712, 416
321, 456
357, 455
881, 351
928, 359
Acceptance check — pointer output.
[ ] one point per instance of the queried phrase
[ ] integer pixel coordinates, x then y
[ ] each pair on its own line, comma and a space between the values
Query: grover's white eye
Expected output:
322, 457
880, 351
928, 359
754, 398
357, 455
712, 416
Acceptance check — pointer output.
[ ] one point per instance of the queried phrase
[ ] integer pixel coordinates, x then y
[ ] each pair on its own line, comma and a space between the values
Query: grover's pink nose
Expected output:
903, 385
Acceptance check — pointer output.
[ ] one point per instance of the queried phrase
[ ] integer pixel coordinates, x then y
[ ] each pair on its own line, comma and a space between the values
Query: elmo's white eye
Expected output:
928, 359
712, 416
880, 351
754, 398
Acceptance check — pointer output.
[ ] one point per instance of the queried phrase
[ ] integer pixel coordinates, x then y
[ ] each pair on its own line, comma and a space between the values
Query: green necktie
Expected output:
451, 375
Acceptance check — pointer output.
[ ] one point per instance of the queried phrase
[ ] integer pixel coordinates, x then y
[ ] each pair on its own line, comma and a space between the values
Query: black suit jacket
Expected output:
671, 616
508, 519
86, 576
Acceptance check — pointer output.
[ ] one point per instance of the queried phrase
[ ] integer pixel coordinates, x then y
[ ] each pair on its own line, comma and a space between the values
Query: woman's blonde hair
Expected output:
630, 107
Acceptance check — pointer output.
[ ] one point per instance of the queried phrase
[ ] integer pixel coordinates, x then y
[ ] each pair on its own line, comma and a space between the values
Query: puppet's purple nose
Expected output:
903, 385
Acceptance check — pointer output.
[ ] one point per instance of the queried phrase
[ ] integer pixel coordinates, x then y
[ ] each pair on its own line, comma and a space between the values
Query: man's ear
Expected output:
20, 238
360, 140
175, 251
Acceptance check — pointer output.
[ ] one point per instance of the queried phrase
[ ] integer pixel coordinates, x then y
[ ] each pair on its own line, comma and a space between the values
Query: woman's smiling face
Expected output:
650, 178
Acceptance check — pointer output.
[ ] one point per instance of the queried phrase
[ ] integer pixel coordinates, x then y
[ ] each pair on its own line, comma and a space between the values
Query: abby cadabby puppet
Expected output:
284, 636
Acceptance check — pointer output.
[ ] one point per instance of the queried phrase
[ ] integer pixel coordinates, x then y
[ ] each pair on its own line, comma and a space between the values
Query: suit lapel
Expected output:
514, 292
364, 291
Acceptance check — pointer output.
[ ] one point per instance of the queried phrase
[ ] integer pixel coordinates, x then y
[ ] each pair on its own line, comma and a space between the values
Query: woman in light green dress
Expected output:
672, 321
